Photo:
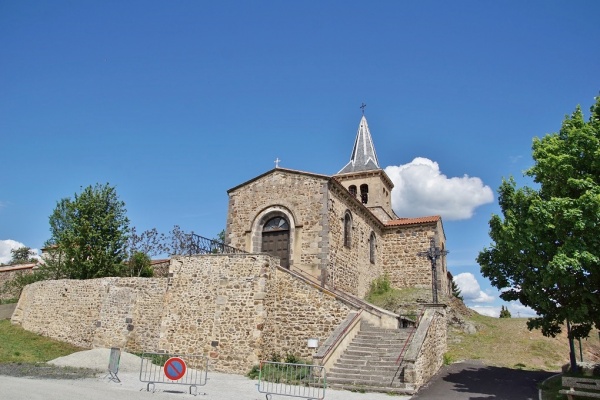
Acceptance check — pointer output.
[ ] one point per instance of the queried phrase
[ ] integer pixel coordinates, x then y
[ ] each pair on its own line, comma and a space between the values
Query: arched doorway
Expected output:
276, 239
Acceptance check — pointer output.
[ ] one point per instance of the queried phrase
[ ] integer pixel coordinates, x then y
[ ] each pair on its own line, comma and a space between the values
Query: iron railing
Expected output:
196, 245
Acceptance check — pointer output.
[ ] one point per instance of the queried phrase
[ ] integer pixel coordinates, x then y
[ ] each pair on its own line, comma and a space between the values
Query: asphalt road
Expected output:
474, 381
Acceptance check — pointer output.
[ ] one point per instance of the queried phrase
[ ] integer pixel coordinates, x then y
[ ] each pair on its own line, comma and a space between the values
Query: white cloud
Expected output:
516, 309
519, 310
470, 289
421, 189
7, 245
490, 311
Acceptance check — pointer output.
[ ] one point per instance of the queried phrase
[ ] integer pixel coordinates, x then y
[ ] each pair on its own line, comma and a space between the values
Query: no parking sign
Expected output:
175, 368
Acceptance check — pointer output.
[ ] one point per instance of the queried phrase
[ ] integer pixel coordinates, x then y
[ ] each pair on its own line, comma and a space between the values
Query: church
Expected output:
340, 230
312, 245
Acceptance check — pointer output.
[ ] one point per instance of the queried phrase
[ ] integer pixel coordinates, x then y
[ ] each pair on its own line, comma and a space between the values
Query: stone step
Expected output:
367, 355
404, 389
376, 341
364, 382
363, 361
367, 370
355, 376
369, 362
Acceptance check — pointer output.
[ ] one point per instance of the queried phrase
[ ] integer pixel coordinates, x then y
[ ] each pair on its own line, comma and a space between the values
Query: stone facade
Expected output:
401, 260
237, 309
320, 242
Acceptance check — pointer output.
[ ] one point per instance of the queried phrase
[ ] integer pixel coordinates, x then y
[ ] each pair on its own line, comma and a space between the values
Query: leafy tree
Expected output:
220, 237
139, 265
22, 255
546, 248
504, 313
89, 234
456, 292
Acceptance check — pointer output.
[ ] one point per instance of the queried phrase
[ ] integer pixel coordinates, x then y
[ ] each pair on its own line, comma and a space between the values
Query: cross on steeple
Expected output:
277, 161
362, 107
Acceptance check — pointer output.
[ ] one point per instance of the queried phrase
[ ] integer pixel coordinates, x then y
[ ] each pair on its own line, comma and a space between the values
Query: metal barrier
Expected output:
113, 364
177, 369
295, 380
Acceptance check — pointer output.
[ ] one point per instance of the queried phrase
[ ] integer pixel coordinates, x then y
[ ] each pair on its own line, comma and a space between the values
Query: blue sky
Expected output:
176, 102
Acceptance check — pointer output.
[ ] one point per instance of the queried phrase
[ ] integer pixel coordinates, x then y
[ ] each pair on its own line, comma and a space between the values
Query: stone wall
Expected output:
236, 309
350, 268
119, 312
401, 261
431, 355
298, 311
424, 356
7, 274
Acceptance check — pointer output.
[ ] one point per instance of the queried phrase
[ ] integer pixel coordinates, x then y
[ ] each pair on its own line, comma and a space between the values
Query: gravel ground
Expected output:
84, 375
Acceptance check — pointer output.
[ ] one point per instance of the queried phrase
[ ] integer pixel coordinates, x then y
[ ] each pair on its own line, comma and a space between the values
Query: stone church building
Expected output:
313, 244
340, 230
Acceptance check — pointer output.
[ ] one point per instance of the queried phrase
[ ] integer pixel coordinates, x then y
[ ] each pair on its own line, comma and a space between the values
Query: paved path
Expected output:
474, 381
219, 387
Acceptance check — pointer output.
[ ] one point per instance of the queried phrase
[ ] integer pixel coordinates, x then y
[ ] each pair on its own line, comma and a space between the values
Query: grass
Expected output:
551, 387
508, 343
20, 346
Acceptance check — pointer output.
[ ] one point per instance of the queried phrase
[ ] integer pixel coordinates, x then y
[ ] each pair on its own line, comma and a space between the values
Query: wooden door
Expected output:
276, 240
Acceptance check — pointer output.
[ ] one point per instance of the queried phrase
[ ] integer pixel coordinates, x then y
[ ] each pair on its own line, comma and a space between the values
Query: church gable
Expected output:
282, 210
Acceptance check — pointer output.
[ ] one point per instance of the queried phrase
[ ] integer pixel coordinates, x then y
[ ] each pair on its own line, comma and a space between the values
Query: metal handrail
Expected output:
202, 245
410, 334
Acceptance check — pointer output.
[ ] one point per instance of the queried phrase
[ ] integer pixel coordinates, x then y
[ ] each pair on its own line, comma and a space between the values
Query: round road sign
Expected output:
175, 368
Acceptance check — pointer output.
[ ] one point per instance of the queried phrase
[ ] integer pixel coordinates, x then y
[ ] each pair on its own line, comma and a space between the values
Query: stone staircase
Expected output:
369, 362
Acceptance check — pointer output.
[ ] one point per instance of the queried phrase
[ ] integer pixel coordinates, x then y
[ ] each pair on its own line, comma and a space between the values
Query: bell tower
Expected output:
364, 178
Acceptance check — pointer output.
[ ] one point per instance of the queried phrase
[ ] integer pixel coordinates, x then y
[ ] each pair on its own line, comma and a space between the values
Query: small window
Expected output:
364, 193
276, 224
347, 230
372, 245
352, 190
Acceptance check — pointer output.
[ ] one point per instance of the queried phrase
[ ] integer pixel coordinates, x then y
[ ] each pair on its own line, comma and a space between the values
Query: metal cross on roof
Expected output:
433, 254
362, 107
277, 161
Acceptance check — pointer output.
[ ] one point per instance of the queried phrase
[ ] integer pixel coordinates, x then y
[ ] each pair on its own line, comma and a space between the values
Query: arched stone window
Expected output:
364, 193
352, 190
372, 246
347, 229
276, 239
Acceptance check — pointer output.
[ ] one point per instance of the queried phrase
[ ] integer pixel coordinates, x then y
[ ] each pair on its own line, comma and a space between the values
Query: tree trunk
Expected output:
572, 357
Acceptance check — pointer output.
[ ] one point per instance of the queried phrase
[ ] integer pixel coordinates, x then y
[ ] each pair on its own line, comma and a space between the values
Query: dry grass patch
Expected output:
508, 343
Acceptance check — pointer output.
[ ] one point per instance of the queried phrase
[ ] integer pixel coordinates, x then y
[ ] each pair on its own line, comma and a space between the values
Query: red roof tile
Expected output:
413, 221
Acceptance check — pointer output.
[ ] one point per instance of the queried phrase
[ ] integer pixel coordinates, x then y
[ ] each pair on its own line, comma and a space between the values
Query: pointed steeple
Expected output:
363, 154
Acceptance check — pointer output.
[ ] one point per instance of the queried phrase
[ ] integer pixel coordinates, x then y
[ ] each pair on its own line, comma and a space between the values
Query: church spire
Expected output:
363, 154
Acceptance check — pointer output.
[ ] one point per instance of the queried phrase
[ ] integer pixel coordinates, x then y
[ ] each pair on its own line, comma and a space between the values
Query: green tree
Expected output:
22, 255
89, 234
546, 248
139, 265
504, 313
456, 292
